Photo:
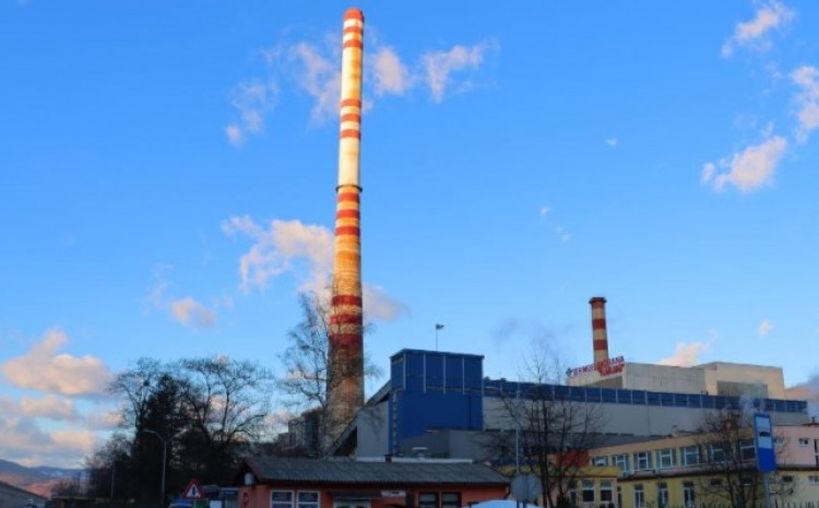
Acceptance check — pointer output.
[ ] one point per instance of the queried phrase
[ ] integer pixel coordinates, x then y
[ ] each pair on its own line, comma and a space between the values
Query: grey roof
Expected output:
20, 491
350, 472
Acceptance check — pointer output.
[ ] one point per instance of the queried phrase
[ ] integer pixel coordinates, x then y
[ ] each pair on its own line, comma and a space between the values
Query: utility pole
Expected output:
164, 462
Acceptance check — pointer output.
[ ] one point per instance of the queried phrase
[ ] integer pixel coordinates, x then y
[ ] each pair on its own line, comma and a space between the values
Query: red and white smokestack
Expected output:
346, 365
599, 335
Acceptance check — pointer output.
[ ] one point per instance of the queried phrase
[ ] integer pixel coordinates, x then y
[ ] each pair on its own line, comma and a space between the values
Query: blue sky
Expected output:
515, 162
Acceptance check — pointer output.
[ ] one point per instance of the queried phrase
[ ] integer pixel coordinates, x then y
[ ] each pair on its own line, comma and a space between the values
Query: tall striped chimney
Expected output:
599, 335
346, 364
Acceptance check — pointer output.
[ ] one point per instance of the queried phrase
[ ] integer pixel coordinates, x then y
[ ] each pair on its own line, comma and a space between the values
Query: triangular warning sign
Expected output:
193, 491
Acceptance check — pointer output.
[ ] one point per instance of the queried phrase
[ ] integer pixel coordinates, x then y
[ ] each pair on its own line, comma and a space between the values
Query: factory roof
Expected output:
350, 472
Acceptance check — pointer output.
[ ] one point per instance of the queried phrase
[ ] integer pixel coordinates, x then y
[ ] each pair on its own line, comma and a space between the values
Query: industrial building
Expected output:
440, 404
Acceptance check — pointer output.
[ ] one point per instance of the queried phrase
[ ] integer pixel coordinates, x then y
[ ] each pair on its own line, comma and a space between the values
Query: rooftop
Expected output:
350, 472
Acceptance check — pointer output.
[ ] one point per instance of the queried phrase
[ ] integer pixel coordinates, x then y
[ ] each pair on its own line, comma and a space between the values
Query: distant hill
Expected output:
38, 479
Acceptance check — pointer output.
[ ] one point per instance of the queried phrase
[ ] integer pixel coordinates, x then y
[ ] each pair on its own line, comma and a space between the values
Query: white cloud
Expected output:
252, 100
544, 210
275, 250
754, 33
440, 65
806, 78
685, 354
391, 76
564, 235
612, 142
380, 306
49, 406
320, 77
186, 311
44, 368
190, 312
23, 441
765, 327
284, 245
749, 169
708, 170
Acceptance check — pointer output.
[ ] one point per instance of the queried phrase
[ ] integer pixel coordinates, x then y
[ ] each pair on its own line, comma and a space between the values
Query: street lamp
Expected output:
164, 461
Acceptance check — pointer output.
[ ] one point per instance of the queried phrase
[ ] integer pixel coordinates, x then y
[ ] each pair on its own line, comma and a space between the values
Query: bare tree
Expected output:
730, 472
554, 432
306, 381
225, 402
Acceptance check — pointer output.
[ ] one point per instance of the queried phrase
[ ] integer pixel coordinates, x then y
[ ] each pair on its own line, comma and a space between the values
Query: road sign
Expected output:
193, 491
764, 442
526, 488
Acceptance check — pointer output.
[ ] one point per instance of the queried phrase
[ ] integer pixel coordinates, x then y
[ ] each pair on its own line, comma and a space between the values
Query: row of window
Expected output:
291, 499
310, 499
448, 500
502, 388
689, 495
672, 457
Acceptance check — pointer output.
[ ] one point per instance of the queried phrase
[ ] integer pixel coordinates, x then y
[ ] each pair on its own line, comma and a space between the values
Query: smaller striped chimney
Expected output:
599, 335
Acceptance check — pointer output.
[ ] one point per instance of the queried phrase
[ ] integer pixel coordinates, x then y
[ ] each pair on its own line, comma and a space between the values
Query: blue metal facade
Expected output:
434, 390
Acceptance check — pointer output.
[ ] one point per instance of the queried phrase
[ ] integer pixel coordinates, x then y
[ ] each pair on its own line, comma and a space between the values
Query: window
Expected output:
588, 491
605, 491
642, 460
787, 479
308, 499
689, 499
600, 461
813, 479
804, 442
281, 499
451, 500
639, 496
662, 495
716, 453
621, 461
690, 455
747, 450
428, 500
715, 482
619, 496
666, 458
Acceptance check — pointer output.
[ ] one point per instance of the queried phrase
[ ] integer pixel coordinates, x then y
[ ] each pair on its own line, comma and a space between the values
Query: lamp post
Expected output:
438, 326
164, 461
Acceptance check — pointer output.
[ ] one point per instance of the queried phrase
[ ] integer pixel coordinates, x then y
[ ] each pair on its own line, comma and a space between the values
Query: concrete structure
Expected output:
439, 404
671, 468
346, 362
15, 497
268, 482
715, 378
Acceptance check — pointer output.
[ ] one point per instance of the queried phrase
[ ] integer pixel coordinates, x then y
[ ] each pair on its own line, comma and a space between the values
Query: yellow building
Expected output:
672, 471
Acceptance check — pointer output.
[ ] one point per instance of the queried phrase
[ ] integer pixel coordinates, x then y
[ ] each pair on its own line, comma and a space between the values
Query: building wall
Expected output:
715, 378
633, 419
771, 378
664, 378
260, 495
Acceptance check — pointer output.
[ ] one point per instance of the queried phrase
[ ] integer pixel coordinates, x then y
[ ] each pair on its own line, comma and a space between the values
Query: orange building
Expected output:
273, 482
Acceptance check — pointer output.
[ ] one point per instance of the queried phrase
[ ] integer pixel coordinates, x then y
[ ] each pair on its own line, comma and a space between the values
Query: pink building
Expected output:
272, 482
